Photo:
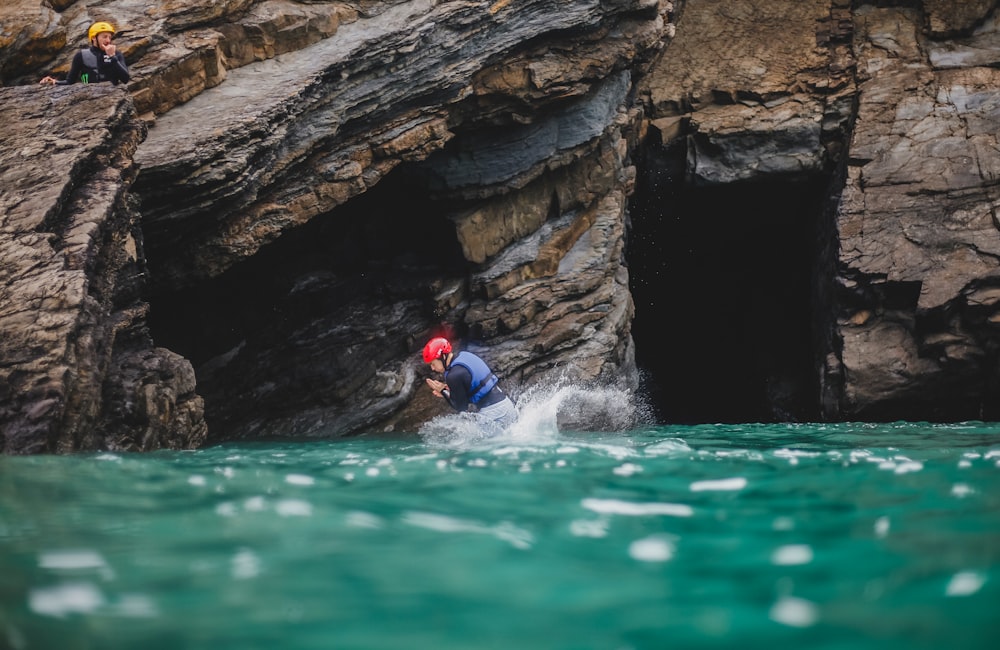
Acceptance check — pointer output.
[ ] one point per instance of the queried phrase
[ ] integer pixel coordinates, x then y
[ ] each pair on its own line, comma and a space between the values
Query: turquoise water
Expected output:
749, 536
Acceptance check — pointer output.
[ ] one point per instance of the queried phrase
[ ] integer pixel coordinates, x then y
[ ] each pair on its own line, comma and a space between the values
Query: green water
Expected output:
739, 536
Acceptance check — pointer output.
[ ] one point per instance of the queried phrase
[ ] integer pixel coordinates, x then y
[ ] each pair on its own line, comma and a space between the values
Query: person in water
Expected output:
100, 62
468, 381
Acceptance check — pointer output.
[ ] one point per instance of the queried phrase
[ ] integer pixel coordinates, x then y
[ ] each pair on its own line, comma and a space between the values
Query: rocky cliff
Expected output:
324, 185
916, 326
800, 196
79, 369
873, 131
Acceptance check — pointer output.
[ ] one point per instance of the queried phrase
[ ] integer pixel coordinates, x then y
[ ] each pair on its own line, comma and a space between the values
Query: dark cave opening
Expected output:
722, 281
721, 278
386, 244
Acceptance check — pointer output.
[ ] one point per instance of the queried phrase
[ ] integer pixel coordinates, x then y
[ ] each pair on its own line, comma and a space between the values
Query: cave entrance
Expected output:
386, 244
304, 322
722, 282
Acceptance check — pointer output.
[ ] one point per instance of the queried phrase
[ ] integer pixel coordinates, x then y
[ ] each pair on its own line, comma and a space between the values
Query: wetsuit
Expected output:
91, 65
470, 381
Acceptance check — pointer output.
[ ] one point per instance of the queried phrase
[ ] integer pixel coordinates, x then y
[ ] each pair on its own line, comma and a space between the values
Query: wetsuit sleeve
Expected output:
75, 69
459, 383
117, 71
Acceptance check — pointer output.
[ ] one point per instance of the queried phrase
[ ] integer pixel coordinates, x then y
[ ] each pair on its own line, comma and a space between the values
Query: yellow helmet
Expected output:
97, 28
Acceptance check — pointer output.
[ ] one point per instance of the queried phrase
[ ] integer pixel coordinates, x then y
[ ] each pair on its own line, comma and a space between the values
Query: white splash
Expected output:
362, 519
71, 559
255, 504
76, 560
64, 599
544, 412
594, 528
669, 447
245, 564
882, 527
627, 469
792, 554
961, 490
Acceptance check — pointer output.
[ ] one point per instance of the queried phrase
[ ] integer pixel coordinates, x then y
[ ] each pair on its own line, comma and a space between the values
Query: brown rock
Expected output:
918, 228
70, 309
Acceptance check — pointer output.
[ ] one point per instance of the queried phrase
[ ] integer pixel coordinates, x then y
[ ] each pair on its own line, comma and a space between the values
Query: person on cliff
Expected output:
468, 382
100, 62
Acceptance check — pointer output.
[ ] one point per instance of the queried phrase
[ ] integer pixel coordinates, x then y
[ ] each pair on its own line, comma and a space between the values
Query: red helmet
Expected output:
436, 349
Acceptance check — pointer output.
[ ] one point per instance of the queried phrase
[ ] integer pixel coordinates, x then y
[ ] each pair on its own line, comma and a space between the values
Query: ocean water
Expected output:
714, 536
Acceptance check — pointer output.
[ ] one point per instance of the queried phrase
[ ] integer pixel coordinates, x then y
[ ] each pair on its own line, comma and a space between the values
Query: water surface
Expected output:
751, 536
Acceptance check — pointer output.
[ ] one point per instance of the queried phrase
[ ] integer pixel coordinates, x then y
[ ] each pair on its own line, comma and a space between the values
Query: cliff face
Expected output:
326, 184
428, 165
79, 370
917, 285
892, 114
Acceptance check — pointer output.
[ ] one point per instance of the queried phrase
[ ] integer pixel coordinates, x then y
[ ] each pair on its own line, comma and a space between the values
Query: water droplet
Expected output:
794, 612
792, 554
656, 548
964, 583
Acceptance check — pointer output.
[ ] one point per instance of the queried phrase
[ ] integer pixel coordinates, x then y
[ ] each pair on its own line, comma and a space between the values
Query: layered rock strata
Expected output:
509, 118
79, 370
326, 184
284, 258
917, 329
897, 109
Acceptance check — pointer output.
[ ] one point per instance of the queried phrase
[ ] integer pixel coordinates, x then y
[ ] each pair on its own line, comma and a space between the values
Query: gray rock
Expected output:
325, 184
71, 314
919, 234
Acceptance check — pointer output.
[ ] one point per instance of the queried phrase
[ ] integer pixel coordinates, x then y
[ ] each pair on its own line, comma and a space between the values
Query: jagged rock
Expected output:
759, 84
947, 18
919, 232
325, 124
327, 143
761, 89
277, 120
175, 48
71, 317
974, 48
30, 35
325, 184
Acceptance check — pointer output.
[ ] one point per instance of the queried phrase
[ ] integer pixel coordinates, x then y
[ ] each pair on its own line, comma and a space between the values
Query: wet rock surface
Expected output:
323, 185
327, 126
79, 370
897, 109
919, 262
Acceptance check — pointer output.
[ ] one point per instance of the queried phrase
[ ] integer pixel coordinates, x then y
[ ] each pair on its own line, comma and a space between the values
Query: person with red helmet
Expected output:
468, 382
100, 62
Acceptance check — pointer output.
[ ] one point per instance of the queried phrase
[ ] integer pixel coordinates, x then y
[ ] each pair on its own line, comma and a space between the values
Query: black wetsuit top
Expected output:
92, 65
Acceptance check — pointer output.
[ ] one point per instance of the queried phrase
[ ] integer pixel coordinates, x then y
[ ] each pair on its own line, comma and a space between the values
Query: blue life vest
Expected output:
483, 379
